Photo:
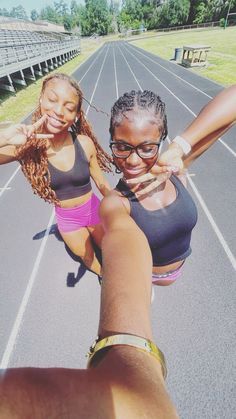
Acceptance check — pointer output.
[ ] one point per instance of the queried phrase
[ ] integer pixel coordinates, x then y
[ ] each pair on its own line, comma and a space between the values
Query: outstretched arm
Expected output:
213, 121
127, 269
126, 382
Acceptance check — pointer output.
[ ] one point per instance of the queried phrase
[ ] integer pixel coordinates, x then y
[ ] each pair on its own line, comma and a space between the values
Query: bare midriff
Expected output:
167, 268
74, 202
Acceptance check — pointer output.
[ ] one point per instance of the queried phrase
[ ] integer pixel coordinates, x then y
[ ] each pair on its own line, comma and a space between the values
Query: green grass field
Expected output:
222, 63
221, 58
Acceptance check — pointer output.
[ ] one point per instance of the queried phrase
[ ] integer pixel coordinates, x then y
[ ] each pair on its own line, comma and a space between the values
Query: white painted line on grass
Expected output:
18, 321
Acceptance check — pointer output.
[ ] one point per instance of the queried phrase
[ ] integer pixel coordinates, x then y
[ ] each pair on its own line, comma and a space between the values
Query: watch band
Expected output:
129, 340
186, 147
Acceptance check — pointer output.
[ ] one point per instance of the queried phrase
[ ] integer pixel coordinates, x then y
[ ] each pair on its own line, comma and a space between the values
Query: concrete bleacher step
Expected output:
27, 54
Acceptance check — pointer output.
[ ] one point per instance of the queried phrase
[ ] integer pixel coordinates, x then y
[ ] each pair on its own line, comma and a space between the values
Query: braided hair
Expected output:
33, 154
134, 100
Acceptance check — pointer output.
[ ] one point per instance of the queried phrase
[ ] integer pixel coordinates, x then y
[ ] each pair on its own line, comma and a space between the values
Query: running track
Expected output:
44, 322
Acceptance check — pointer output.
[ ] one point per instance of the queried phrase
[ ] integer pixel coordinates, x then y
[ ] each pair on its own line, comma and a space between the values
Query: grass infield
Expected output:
221, 57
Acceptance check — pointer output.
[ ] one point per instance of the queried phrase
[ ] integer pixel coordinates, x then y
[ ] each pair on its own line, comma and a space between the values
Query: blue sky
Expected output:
29, 4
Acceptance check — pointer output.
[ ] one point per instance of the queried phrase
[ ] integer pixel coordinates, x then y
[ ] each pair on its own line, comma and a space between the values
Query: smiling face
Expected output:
60, 102
135, 128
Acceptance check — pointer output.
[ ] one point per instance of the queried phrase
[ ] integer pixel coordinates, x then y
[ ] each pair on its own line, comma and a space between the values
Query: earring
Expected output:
118, 171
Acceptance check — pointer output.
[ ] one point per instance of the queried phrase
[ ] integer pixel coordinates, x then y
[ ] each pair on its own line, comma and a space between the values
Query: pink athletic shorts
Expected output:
85, 215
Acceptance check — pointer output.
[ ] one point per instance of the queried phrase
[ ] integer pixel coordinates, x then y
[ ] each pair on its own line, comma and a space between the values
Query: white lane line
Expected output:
177, 98
95, 87
210, 218
226, 145
91, 65
5, 187
131, 70
116, 80
17, 324
213, 224
171, 72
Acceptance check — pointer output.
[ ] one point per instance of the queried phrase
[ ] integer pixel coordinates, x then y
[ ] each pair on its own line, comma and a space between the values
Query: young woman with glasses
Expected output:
153, 188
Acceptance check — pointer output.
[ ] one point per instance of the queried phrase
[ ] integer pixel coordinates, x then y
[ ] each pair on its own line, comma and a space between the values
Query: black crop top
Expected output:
74, 182
168, 230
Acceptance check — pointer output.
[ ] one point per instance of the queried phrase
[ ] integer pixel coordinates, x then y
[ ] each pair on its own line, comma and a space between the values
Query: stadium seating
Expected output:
25, 54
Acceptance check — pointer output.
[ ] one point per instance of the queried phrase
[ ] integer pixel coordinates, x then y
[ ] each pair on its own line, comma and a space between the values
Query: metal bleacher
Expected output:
25, 54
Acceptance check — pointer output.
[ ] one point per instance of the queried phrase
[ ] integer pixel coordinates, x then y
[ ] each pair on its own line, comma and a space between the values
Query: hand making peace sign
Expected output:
18, 134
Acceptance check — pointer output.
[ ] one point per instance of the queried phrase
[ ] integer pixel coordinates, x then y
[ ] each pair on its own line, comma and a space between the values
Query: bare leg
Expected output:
80, 243
97, 233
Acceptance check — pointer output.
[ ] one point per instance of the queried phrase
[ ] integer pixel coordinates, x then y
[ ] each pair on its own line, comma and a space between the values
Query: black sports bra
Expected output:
74, 182
168, 230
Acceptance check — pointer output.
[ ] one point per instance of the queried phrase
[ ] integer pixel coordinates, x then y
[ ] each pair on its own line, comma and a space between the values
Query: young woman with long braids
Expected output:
161, 207
59, 169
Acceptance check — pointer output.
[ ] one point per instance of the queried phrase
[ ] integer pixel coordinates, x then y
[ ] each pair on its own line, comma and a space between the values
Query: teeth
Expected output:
55, 121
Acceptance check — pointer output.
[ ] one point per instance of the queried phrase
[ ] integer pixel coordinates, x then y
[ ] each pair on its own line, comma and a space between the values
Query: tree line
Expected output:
103, 16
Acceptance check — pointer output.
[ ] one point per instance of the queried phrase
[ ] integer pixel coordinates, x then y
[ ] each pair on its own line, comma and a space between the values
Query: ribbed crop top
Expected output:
168, 230
74, 182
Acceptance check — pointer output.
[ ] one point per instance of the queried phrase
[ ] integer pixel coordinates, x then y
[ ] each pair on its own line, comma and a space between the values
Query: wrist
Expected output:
182, 144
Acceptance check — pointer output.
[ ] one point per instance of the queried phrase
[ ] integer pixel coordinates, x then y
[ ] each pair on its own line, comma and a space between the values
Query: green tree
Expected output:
131, 15
34, 15
78, 13
200, 13
68, 22
4, 12
97, 18
174, 13
18, 12
49, 13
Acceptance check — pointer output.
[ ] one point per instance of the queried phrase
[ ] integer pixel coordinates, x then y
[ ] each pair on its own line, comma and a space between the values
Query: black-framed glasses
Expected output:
146, 150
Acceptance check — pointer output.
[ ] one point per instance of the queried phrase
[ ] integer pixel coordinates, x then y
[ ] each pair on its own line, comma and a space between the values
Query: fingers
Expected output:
43, 136
31, 129
140, 179
40, 122
152, 185
155, 170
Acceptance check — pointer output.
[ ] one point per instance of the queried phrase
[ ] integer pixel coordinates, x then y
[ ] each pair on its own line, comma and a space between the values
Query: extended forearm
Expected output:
218, 114
126, 288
